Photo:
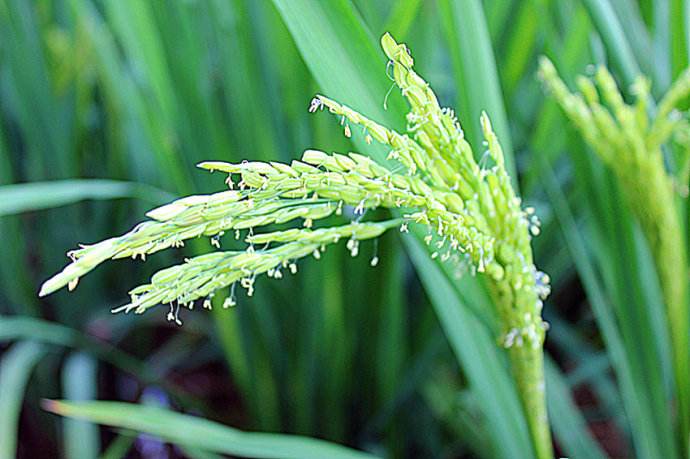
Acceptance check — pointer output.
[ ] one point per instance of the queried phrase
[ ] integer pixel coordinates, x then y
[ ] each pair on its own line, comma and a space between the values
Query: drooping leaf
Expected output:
199, 433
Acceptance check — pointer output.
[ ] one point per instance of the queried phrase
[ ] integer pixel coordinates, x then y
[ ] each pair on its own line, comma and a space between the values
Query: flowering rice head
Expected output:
629, 141
469, 209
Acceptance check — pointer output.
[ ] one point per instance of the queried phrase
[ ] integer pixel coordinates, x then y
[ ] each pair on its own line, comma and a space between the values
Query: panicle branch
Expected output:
202, 276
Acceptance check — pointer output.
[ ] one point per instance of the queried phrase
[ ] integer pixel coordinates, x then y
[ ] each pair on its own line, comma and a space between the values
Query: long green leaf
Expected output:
119, 447
401, 17
195, 432
680, 35
474, 66
604, 17
568, 424
79, 381
14, 328
14, 276
638, 37
343, 57
477, 352
15, 369
25, 197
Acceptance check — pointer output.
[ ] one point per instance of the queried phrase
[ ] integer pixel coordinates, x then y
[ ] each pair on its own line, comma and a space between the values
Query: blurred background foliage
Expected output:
107, 105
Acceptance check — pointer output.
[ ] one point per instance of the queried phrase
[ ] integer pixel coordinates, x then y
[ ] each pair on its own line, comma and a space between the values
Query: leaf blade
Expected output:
15, 369
201, 433
24, 197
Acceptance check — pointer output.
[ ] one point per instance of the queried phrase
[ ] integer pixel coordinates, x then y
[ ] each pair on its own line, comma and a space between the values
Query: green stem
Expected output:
527, 364
528, 370
663, 230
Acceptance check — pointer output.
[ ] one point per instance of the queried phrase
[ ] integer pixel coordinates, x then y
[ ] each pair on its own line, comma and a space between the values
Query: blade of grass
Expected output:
119, 447
411, 381
478, 354
570, 56
680, 36
79, 382
619, 50
146, 123
457, 410
651, 62
26, 197
231, 340
13, 328
519, 49
180, 30
662, 51
134, 26
265, 343
14, 277
401, 17
15, 368
569, 426
246, 356
638, 310
477, 79
244, 91
343, 58
587, 361
48, 152
391, 346
498, 15
195, 432
336, 347
308, 347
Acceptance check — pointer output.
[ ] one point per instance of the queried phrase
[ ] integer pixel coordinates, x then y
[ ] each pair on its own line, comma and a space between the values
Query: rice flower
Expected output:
469, 209
629, 141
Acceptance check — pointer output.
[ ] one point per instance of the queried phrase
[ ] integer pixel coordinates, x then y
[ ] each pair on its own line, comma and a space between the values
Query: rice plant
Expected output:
400, 350
631, 143
469, 210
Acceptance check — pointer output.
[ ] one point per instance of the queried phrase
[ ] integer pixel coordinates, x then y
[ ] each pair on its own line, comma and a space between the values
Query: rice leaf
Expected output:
26, 197
194, 432
474, 67
15, 369
79, 382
